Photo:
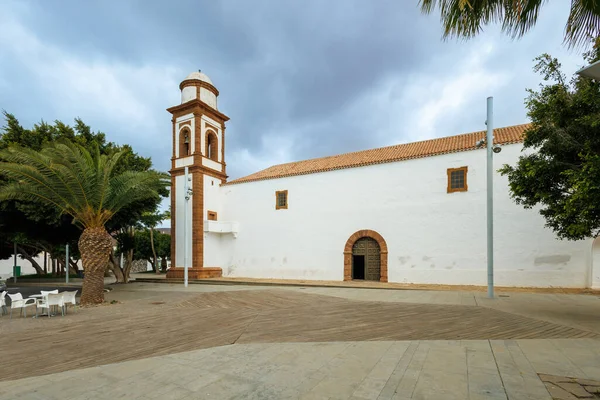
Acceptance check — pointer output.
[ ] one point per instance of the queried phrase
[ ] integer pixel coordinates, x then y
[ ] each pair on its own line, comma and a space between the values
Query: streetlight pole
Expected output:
67, 262
186, 193
15, 263
489, 139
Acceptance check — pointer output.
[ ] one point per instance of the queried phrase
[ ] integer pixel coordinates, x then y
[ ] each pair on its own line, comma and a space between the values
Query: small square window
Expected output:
281, 199
211, 215
457, 179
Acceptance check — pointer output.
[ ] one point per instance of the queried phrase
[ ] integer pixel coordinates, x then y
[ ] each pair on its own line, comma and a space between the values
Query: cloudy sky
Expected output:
299, 79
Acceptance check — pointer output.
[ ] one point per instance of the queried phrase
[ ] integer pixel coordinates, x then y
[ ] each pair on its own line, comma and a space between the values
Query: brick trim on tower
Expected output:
198, 168
174, 141
223, 151
198, 220
198, 133
383, 252
198, 84
196, 105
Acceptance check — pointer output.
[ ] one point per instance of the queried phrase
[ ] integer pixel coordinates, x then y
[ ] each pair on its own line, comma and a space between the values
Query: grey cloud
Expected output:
298, 70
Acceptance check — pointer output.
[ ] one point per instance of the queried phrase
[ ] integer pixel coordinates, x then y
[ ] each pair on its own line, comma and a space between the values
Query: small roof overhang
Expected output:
591, 71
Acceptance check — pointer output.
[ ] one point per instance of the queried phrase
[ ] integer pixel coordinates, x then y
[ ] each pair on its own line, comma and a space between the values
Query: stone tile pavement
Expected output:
477, 369
397, 370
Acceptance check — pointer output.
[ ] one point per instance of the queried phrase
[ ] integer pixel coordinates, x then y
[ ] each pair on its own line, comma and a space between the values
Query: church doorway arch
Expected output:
365, 257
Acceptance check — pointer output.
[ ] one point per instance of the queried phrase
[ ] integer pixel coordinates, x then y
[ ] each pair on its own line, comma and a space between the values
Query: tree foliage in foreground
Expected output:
37, 228
560, 170
466, 18
83, 185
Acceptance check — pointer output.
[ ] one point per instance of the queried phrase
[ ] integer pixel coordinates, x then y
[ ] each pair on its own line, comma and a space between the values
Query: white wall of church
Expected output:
213, 256
432, 236
211, 195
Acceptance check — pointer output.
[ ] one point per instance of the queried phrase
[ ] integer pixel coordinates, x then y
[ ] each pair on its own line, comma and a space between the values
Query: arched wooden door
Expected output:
366, 259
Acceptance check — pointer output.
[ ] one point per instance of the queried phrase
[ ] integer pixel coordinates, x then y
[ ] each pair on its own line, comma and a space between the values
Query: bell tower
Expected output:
199, 148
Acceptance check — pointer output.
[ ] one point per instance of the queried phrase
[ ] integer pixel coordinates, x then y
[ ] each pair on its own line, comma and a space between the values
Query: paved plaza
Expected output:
266, 342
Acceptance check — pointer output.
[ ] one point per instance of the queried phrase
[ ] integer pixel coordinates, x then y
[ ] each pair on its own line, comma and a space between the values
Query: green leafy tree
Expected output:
39, 228
466, 18
560, 170
163, 249
144, 250
68, 178
125, 239
150, 220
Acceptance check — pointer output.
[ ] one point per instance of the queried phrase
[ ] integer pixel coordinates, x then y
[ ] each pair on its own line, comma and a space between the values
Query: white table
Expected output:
38, 296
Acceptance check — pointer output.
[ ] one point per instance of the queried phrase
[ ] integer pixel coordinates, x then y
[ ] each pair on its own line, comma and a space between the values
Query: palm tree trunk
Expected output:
95, 245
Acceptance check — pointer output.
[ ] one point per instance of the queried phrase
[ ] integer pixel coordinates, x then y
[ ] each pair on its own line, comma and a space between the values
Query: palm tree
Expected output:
465, 18
81, 184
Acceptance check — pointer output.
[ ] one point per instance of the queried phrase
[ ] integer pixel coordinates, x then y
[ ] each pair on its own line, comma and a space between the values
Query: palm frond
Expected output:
74, 181
466, 18
130, 187
583, 23
30, 168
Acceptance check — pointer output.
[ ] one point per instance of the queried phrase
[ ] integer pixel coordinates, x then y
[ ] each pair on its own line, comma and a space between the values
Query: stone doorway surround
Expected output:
383, 252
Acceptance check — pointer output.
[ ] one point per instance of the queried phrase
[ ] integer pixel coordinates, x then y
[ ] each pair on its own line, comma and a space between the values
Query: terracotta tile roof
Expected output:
400, 152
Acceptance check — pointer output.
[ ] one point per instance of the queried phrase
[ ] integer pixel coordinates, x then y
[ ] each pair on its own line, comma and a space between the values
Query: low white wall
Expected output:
6, 266
432, 236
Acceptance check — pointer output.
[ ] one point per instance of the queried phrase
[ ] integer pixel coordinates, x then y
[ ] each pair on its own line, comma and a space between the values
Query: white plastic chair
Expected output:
17, 301
69, 298
52, 298
3, 303
43, 302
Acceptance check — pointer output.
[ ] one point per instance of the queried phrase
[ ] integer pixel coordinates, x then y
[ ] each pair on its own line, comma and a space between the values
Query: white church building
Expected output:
410, 213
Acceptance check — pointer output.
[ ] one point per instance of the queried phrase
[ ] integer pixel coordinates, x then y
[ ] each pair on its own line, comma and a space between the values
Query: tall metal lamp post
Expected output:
67, 262
15, 262
490, 150
188, 194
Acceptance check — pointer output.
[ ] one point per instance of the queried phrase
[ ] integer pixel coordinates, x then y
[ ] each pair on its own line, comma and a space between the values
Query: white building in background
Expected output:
7, 266
411, 213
